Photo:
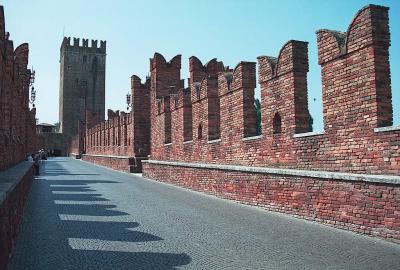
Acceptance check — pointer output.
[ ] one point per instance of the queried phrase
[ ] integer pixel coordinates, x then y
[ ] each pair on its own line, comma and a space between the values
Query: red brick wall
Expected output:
356, 99
141, 117
123, 134
368, 208
119, 163
11, 210
17, 122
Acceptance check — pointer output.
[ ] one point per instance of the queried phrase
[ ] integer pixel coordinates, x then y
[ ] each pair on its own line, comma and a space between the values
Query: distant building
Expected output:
45, 128
82, 82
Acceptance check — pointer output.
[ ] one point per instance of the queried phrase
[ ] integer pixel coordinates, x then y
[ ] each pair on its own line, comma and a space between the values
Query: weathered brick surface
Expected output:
356, 99
123, 140
213, 121
123, 134
219, 104
368, 208
119, 163
17, 138
13, 195
17, 121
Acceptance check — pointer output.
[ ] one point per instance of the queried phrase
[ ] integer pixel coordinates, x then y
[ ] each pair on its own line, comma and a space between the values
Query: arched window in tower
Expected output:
200, 132
277, 124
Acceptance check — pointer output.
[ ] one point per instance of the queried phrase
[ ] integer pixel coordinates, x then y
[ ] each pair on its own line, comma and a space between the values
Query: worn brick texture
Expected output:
119, 163
123, 140
213, 120
367, 208
11, 209
356, 99
17, 138
123, 134
17, 122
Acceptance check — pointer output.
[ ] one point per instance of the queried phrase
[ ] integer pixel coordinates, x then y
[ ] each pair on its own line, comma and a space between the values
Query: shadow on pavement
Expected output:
67, 230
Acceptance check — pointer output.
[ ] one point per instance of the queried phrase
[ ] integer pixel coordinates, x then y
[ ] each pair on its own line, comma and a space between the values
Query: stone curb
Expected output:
384, 179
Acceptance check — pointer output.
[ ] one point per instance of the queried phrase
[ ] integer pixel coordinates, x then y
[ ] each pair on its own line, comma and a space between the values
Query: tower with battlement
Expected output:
82, 82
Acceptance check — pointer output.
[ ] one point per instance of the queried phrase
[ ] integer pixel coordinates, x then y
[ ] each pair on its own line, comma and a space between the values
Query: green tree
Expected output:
257, 105
311, 122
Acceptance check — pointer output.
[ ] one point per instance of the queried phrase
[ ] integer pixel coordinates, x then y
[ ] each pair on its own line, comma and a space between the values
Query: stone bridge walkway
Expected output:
80, 216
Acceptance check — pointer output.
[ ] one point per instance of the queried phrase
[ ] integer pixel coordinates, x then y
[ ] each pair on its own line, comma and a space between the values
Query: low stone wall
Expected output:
15, 184
119, 163
368, 204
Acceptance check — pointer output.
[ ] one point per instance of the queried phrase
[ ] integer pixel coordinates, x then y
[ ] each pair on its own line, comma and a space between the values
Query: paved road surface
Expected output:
80, 216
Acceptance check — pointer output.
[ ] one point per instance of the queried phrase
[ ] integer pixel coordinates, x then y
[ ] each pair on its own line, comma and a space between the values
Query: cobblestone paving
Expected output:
80, 216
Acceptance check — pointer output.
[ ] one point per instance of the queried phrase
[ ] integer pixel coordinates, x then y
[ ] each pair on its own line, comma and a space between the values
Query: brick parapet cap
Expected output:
158, 60
386, 129
347, 42
256, 137
214, 141
292, 57
109, 156
383, 179
308, 134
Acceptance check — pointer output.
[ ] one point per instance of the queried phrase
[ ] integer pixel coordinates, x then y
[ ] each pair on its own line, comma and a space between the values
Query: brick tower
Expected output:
82, 82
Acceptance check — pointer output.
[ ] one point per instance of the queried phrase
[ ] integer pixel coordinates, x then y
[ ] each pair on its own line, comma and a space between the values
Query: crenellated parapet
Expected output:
351, 167
207, 136
181, 99
206, 88
158, 61
93, 119
21, 54
84, 45
215, 118
136, 83
17, 121
363, 53
198, 71
124, 134
283, 82
112, 114
165, 76
369, 27
219, 123
244, 76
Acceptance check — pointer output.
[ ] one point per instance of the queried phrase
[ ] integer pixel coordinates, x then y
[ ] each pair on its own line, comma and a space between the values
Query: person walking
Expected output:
36, 158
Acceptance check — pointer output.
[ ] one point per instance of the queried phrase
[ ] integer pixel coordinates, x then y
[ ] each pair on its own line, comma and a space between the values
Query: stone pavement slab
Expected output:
81, 216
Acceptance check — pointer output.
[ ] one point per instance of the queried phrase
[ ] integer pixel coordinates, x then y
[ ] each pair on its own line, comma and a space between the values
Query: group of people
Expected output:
35, 158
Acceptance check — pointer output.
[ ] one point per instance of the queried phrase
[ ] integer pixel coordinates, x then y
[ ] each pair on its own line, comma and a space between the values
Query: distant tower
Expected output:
82, 82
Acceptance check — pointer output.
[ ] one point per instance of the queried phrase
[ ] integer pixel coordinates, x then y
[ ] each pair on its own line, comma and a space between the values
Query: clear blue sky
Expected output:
231, 30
